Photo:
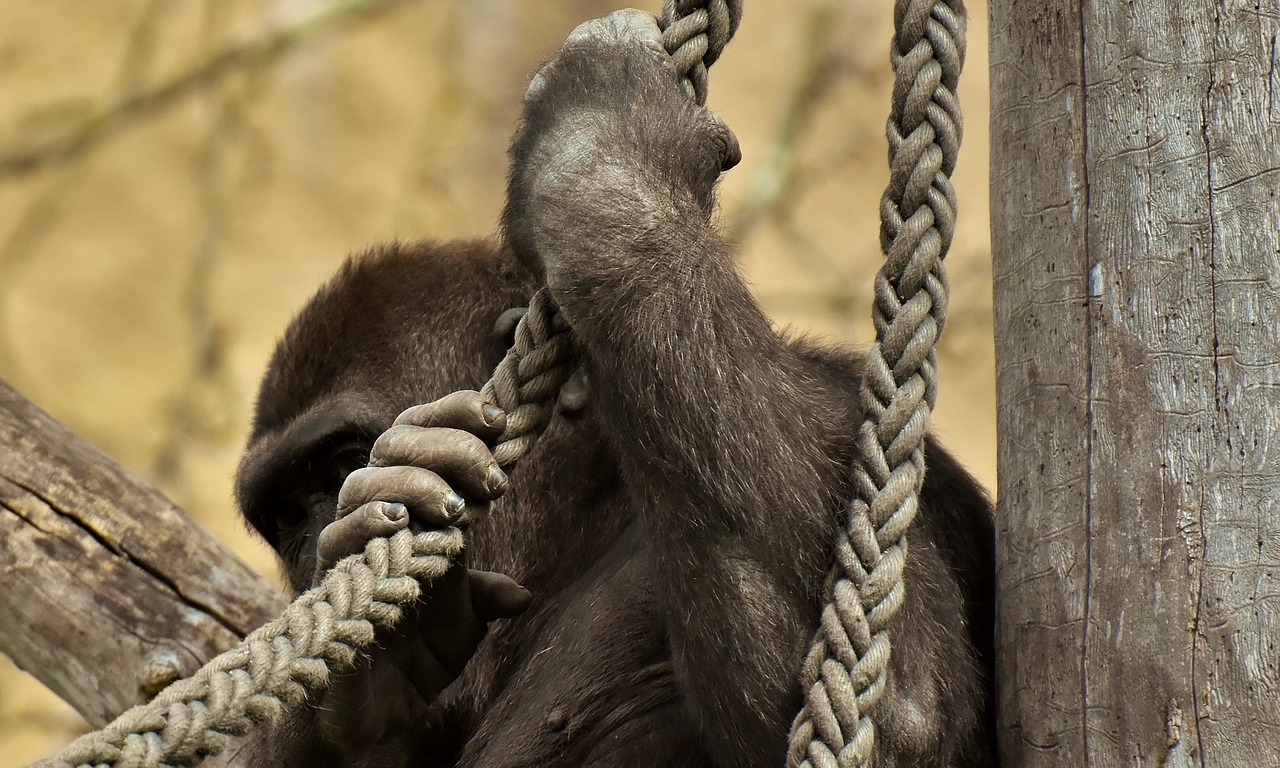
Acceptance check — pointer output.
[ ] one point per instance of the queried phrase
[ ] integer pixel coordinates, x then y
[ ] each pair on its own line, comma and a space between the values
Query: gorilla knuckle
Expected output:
393, 445
623, 26
355, 490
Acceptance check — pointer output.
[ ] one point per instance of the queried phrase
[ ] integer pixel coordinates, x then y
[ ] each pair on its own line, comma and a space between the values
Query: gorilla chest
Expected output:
596, 687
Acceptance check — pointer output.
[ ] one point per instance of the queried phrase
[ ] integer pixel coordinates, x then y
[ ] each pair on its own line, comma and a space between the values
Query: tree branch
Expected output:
259, 52
107, 591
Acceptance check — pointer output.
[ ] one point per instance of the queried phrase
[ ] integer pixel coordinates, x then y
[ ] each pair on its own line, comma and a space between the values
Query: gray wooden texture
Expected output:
1136, 239
107, 591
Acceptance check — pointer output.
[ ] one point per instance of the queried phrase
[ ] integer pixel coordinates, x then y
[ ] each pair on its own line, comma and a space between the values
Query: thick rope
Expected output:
323, 630
695, 33
525, 384
277, 665
845, 672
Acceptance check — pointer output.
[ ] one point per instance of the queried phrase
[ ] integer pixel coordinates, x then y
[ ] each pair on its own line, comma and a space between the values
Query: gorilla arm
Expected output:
723, 432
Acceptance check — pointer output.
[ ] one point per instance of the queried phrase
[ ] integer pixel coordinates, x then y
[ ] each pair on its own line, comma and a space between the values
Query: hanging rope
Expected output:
695, 33
322, 631
845, 671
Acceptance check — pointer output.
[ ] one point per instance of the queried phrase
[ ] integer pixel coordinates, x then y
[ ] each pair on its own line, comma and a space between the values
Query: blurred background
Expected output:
178, 176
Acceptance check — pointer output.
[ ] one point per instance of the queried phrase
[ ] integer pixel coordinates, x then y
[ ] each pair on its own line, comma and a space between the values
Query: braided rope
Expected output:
277, 664
322, 631
845, 672
526, 382
695, 32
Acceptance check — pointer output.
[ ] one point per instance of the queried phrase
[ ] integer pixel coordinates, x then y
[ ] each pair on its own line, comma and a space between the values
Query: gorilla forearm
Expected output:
722, 430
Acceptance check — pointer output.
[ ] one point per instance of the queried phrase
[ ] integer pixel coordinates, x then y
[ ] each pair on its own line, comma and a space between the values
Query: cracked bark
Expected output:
1136, 238
107, 591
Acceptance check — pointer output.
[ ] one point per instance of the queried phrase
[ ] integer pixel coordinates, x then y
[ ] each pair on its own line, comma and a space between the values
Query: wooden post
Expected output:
1136, 238
107, 591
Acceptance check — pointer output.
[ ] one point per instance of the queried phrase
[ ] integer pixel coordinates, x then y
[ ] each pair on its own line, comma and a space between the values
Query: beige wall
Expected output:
144, 280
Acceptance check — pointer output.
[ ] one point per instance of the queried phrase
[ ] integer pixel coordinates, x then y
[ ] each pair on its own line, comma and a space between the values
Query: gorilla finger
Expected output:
350, 534
449, 628
727, 141
465, 409
504, 328
497, 596
426, 494
460, 457
627, 25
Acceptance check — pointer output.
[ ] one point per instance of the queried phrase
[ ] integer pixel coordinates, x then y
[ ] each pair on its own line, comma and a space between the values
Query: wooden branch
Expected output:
261, 51
108, 592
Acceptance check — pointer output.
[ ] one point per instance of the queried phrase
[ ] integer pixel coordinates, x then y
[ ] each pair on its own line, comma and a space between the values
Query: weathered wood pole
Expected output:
1136, 238
108, 591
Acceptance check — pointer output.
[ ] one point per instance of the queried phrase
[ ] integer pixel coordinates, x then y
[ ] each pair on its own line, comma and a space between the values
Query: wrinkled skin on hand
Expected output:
624, 173
414, 469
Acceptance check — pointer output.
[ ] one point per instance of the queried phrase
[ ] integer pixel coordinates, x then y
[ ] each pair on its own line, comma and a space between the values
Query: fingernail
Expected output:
453, 504
490, 413
394, 511
496, 480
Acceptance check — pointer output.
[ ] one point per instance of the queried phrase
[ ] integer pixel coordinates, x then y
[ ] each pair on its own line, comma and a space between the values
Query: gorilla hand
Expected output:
609, 146
415, 467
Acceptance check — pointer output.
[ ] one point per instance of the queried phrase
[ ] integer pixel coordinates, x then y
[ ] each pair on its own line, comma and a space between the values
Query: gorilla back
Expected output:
673, 528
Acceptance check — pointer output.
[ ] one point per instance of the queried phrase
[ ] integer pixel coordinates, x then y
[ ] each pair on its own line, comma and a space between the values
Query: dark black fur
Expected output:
676, 533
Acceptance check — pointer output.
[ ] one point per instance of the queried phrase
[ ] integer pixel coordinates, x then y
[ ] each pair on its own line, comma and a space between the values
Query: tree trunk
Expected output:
107, 591
1136, 238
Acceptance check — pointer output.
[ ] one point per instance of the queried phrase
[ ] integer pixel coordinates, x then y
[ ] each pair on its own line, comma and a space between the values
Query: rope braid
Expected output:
845, 672
277, 665
322, 632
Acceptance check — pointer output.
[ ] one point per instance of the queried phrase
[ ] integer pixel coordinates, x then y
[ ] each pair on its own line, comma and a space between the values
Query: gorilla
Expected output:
672, 529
